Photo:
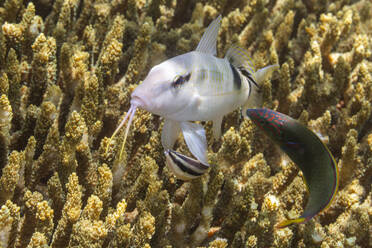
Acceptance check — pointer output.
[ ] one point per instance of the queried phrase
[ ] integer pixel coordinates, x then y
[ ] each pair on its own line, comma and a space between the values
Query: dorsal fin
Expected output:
239, 58
207, 43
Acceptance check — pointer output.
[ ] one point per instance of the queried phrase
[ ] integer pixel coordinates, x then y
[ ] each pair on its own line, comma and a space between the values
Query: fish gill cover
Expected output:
67, 68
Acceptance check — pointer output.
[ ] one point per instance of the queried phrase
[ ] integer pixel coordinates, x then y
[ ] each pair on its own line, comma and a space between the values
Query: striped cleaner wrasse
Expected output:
183, 167
305, 148
197, 86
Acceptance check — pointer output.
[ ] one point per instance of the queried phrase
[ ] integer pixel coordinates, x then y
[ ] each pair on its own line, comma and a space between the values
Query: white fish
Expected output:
197, 86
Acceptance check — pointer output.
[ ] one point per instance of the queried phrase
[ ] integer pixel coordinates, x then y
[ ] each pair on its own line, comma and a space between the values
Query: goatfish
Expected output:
308, 152
197, 86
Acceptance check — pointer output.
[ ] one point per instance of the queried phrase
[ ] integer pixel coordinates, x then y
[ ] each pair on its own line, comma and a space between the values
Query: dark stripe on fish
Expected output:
176, 160
237, 79
190, 161
187, 77
248, 75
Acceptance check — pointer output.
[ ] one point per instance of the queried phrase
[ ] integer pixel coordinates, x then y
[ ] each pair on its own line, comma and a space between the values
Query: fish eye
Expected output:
180, 80
177, 81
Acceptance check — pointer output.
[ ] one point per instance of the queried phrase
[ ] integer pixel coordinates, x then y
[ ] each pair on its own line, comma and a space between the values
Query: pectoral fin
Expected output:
169, 135
194, 135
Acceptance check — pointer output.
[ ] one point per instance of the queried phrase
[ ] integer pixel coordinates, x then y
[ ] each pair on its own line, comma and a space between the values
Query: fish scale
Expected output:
210, 76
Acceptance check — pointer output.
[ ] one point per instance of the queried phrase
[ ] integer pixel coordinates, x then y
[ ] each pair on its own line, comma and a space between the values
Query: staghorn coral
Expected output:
10, 176
10, 220
67, 69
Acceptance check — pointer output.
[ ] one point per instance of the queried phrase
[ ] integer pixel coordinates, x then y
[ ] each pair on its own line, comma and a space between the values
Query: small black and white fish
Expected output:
183, 167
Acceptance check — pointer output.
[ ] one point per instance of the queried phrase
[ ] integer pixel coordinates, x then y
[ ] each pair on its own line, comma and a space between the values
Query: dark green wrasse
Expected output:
316, 162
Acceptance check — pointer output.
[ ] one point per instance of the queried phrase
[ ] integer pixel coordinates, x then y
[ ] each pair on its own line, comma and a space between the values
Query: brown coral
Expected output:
67, 69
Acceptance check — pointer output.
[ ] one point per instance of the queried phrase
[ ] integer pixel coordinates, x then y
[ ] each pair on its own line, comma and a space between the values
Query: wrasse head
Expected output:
271, 122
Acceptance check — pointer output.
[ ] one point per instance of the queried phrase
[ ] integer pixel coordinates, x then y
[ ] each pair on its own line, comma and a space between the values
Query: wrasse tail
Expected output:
286, 223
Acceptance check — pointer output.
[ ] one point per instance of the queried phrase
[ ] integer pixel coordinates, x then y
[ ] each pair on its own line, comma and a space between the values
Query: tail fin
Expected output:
263, 73
286, 223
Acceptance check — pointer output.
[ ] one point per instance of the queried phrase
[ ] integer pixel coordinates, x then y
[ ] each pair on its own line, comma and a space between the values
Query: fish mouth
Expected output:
138, 102
145, 103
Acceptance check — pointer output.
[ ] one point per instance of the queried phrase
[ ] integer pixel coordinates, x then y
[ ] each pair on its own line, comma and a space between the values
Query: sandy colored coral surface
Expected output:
67, 69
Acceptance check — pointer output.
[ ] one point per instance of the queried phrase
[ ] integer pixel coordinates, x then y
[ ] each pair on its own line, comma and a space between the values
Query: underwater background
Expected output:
67, 68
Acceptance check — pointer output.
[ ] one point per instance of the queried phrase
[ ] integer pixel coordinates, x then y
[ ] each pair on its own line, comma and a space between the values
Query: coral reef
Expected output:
67, 68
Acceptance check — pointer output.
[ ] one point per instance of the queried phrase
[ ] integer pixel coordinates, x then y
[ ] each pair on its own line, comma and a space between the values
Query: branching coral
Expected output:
67, 69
